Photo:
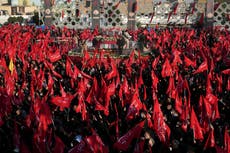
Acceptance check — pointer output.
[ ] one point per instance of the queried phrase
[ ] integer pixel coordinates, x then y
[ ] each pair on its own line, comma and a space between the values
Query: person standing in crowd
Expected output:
120, 43
127, 38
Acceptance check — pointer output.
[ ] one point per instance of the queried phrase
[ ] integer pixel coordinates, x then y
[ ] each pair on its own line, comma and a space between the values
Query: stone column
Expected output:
209, 12
132, 5
95, 13
47, 13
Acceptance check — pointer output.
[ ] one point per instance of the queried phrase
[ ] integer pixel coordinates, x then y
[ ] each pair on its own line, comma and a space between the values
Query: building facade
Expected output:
17, 7
4, 2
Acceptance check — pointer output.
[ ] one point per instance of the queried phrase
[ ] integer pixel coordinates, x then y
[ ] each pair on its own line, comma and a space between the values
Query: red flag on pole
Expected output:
228, 85
155, 80
160, 127
134, 107
202, 67
112, 73
166, 69
95, 144
189, 62
81, 147
124, 142
227, 72
195, 126
210, 142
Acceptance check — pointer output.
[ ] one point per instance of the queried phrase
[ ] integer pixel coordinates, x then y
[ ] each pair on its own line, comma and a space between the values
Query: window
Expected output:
14, 10
21, 9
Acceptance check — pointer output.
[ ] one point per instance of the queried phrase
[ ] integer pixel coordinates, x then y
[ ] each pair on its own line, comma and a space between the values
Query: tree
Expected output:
19, 19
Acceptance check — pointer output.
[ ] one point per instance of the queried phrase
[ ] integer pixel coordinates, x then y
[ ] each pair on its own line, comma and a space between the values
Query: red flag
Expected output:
220, 83
95, 144
45, 118
213, 101
63, 93
176, 59
81, 147
195, 126
202, 67
189, 62
166, 69
9, 82
185, 115
56, 74
78, 73
178, 104
140, 79
110, 91
124, 141
50, 84
93, 91
228, 85
210, 142
81, 107
86, 56
207, 106
134, 107
68, 68
155, 62
171, 91
53, 57
208, 84
155, 80
145, 93
112, 73
226, 141
40, 79
62, 102
160, 127
227, 72
125, 87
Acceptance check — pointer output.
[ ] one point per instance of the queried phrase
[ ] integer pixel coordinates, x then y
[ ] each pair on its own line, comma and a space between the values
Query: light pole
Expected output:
95, 13
47, 14
132, 8
209, 12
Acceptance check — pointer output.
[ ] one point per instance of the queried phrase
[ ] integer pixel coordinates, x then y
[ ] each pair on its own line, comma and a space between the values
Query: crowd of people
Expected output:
175, 99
